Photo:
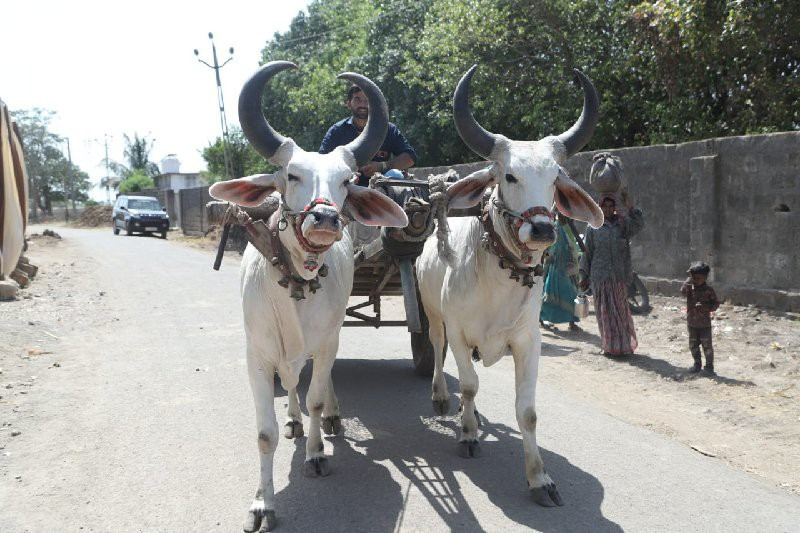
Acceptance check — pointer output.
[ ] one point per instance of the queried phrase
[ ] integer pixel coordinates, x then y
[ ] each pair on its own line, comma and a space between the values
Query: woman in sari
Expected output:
560, 270
606, 266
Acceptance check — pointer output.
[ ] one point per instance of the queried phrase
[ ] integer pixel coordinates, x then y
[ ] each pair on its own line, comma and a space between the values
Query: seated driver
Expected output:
395, 154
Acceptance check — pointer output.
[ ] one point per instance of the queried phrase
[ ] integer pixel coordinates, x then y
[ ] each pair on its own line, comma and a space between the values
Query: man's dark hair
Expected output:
351, 91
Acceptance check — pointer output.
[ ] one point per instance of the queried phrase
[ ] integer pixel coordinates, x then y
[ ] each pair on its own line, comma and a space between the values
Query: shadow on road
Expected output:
389, 420
667, 370
580, 335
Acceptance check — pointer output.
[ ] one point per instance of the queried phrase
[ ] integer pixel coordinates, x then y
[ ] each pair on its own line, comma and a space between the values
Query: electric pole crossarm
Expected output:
220, 102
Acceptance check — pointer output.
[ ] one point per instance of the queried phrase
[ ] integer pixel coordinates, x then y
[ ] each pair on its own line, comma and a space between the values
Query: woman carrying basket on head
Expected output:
606, 263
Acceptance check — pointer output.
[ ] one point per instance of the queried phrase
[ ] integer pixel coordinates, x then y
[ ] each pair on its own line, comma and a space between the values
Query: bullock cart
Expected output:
384, 266
383, 259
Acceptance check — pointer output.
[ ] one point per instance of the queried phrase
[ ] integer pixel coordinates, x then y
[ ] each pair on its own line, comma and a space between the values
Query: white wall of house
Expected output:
178, 180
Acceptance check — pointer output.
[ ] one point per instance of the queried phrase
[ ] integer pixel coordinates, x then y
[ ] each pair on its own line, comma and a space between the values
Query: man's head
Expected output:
357, 102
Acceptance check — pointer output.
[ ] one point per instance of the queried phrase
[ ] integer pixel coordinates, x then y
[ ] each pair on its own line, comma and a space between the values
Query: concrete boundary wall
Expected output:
733, 202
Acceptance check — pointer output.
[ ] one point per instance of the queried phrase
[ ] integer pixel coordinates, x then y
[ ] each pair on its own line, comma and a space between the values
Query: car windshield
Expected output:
152, 205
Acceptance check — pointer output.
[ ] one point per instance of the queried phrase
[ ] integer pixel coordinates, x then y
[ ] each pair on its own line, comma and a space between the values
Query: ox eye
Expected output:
510, 178
292, 177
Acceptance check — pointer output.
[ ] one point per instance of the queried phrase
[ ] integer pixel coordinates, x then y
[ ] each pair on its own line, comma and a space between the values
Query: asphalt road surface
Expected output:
148, 425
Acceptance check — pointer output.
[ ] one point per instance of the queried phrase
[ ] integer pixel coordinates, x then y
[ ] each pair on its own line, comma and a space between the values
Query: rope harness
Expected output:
436, 211
520, 271
265, 238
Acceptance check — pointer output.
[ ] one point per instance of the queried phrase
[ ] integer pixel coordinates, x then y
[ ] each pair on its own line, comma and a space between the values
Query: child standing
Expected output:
701, 300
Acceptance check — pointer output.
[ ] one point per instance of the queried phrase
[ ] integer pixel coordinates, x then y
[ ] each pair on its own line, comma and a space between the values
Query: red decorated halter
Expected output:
528, 214
304, 243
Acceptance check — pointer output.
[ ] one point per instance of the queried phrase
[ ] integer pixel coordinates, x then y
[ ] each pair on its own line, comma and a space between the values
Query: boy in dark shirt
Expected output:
701, 300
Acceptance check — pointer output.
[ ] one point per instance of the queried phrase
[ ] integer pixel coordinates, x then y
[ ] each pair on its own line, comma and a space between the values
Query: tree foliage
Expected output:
244, 159
52, 176
667, 70
137, 154
136, 181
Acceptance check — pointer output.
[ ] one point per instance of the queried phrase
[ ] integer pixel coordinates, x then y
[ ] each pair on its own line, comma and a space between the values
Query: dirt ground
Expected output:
749, 415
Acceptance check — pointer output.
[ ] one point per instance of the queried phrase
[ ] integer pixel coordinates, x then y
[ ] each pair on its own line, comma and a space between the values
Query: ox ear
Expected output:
575, 203
249, 191
372, 208
467, 192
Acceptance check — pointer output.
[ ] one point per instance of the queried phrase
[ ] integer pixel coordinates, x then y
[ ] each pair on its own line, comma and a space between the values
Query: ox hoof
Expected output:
256, 521
331, 425
293, 429
547, 495
316, 467
469, 448
441, 407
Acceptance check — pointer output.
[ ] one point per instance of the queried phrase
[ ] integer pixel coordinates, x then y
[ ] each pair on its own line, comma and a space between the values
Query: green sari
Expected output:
560, 287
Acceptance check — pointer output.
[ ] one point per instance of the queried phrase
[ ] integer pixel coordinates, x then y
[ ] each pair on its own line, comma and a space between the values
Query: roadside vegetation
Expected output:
667, 71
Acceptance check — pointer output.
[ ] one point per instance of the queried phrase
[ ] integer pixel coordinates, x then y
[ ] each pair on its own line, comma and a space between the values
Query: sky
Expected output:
112, 68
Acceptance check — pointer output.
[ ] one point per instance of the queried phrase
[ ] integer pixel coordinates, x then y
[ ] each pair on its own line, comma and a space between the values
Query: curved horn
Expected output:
474, 136
579, 134
365, 145
255, 127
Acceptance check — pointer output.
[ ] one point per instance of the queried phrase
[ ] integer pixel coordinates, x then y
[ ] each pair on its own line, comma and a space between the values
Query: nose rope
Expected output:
516, 220
297, 218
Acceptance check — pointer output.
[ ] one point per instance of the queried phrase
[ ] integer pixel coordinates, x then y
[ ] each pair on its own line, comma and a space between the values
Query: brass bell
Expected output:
313, 285
323, 270
527, 281
284, 281
297, 292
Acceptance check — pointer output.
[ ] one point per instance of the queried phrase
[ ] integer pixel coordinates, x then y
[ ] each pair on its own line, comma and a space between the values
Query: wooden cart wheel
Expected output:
421, 347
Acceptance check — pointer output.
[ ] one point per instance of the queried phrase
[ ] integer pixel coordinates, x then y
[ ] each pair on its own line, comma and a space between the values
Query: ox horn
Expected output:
579, 134
474, 136
369, 142
264, 139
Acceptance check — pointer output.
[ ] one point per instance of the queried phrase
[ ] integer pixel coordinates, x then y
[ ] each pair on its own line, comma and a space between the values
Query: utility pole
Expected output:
220, 101
69, 186
71, 178
108, 178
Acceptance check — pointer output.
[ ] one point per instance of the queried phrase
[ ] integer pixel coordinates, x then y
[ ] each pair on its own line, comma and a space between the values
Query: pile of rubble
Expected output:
96, 215
20, 278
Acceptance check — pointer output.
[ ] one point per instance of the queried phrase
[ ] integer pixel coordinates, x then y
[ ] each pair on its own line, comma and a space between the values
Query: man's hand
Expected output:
371, 168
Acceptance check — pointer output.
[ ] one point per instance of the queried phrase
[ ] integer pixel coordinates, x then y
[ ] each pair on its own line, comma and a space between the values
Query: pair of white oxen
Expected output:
469, 295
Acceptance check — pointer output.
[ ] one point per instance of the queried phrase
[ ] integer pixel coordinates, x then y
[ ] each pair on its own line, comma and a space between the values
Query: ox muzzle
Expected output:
319, 225
534, 226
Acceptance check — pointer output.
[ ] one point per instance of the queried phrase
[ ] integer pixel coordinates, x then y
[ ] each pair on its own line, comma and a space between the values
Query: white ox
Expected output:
473, 301
282, 332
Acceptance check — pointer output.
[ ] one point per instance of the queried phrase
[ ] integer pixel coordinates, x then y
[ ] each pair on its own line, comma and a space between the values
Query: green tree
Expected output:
666, 70
137, 154
244, 159
135, 182
52, 177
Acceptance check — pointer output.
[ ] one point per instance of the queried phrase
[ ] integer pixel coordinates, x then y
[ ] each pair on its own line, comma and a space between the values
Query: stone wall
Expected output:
733, 202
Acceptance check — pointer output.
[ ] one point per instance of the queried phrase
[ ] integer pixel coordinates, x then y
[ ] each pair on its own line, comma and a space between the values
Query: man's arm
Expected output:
398, 144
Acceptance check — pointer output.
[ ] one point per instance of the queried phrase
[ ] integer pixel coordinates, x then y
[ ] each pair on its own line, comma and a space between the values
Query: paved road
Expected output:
149, 426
